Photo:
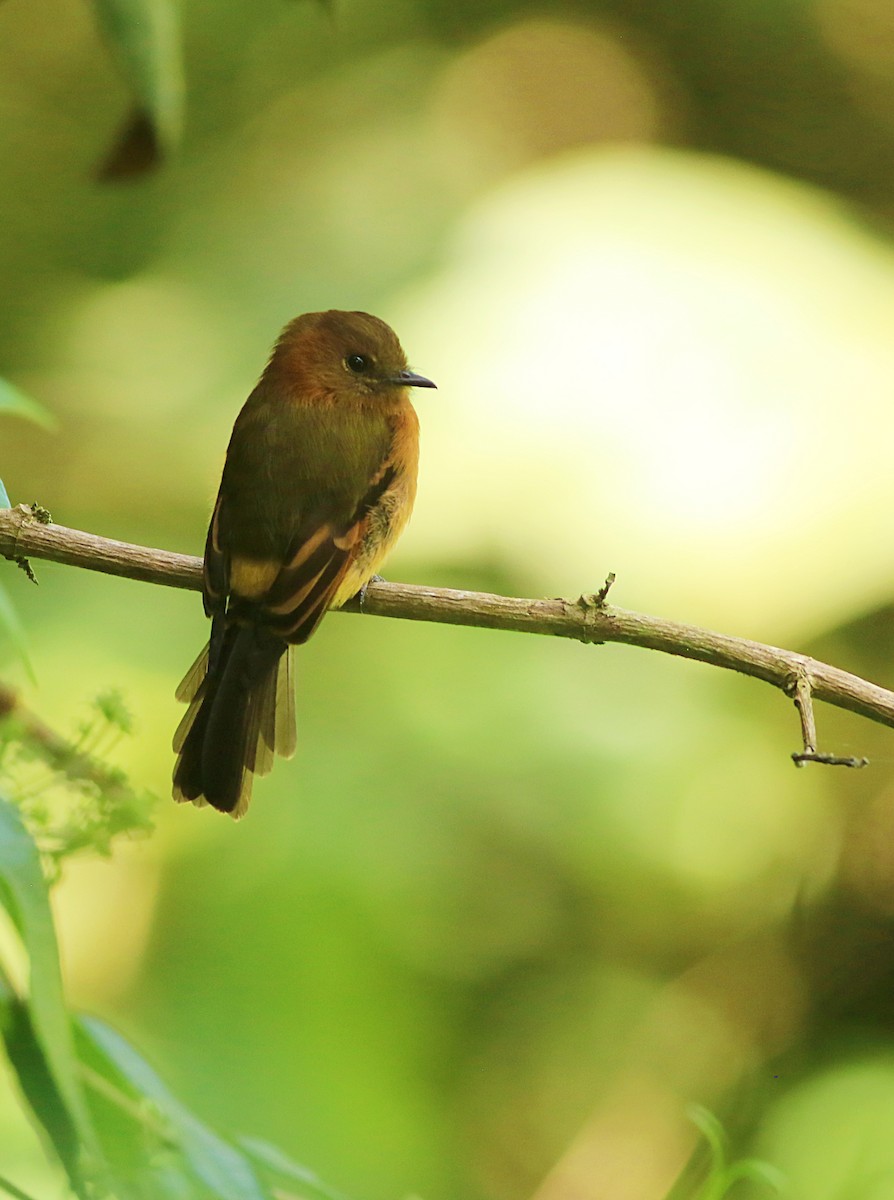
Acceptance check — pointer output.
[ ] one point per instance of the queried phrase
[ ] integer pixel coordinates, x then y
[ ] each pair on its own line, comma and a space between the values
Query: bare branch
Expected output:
588, 619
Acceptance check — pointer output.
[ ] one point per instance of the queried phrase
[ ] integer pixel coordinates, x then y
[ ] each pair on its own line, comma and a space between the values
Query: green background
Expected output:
515, 901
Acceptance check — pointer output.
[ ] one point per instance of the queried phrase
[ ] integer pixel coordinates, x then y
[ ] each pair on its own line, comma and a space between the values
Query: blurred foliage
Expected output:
116, 1129
16, 403
725, 1175
515, 904
69, 795
145, 37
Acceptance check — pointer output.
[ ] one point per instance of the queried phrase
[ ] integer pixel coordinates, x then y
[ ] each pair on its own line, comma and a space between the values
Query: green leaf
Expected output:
272, 1159
17, 404
757, 1171
36, 1080
713, 1133
145, 36
23, 893
135, 1143
219, 1166
12, 1190
12, 628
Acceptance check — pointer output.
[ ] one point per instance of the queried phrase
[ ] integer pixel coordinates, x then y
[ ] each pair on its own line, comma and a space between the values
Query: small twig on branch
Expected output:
588, 619
24, 565
597, 599
800, 688
829, 760
39, 513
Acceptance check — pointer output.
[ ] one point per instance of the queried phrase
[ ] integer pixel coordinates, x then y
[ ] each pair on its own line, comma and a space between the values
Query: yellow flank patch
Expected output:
251, 578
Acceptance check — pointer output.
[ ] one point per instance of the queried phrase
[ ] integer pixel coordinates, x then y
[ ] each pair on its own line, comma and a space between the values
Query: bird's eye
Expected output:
357, 363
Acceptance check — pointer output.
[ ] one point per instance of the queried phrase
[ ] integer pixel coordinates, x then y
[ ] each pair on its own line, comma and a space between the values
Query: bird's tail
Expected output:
241, 711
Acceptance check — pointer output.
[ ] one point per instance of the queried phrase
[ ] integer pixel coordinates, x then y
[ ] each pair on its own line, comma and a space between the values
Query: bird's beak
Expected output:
408, 379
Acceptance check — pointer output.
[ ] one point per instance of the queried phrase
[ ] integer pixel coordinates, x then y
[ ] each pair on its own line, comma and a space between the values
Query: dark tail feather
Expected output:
233, 725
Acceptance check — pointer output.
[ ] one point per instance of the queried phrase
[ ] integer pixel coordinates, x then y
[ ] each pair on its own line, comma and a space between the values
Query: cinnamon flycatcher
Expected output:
319, 481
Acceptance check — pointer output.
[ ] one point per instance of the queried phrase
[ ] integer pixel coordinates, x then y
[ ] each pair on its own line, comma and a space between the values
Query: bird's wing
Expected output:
317, 563
279, 546
216, 571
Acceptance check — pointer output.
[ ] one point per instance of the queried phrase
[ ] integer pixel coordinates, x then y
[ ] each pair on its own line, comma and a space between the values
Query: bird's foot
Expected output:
361, 595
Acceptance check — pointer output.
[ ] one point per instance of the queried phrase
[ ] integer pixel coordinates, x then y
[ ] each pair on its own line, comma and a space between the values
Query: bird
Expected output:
318, 483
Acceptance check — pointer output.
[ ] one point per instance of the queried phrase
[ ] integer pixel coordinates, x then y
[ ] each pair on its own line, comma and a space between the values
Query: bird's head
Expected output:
343, 354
